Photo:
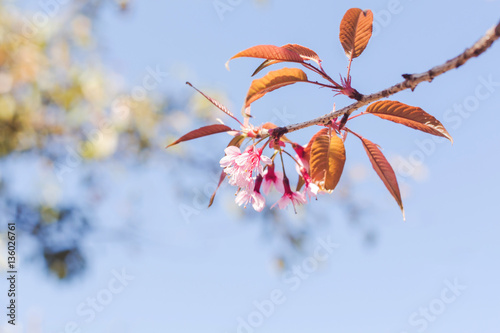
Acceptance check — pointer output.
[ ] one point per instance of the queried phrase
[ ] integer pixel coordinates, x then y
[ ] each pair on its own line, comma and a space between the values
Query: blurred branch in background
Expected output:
59, 114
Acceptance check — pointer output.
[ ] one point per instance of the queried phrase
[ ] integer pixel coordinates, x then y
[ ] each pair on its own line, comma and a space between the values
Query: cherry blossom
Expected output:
239, 166
290, 197
254, 197
251, 159
310, 189
231, 153
300, 157
272, 178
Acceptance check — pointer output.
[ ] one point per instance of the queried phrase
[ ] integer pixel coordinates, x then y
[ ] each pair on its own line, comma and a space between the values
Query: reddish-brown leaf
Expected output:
221, 179
304, 52
410, 116
270, 52
214, 102
269, 125
202, 131
384, 170
355, 31
236, 141
265, 64
272, 81
307, 149
327, 159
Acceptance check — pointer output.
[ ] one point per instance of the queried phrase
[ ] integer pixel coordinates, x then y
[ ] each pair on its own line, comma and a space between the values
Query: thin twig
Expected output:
410, 82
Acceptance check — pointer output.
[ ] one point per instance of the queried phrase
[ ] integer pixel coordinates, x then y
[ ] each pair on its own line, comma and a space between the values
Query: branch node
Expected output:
356, 95
278, 132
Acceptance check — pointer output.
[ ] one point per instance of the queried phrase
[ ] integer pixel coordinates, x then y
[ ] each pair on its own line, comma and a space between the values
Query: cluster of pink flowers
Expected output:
252, 171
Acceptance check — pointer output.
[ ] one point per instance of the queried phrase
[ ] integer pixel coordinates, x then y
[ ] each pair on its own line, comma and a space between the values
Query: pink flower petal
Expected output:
258, 202
284, 201
266, 160
273, 179
242, 198
231, 153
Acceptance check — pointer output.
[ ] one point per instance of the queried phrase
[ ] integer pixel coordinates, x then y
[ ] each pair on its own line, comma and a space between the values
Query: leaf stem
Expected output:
349, 67
282, 163
322, 85
352, 132
359, 114
322, 73
293, 158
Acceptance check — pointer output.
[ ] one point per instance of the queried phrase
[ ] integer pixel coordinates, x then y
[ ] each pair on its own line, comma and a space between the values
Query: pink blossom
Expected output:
244, 197
241, 179
239, 166
310, 188
237, 176
272, 178
232, 152
290, 197
301, 156
251, 159
256, 199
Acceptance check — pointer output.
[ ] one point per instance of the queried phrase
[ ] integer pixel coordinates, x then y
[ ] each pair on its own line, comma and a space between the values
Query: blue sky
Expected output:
206, 275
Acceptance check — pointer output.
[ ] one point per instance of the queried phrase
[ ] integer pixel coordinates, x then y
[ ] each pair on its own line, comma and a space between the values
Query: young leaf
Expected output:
236, 141
202, 131
304, 52
384, 170
327, 159
221, 179
269, 125
270, 52
355, 31
273, 80
410, 116
214, 102
265, 64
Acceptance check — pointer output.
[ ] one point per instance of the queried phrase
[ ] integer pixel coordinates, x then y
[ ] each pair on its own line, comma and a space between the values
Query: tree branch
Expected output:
410, 82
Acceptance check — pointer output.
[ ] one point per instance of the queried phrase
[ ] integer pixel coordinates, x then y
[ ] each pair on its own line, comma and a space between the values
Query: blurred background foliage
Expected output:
65, 118
61, 110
